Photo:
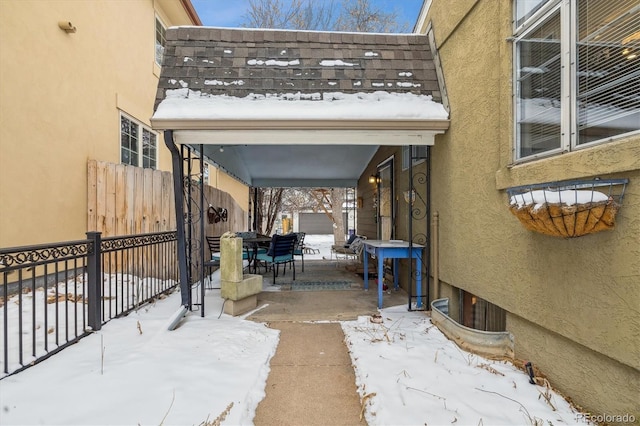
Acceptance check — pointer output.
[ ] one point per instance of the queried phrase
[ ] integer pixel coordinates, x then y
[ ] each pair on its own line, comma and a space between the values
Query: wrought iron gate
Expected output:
419, 200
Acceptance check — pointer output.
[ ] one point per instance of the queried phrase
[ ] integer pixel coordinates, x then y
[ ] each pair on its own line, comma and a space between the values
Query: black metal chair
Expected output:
214, 261
280, 253
299, 248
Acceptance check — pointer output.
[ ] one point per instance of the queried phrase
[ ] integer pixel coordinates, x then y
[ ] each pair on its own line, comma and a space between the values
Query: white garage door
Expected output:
316, 223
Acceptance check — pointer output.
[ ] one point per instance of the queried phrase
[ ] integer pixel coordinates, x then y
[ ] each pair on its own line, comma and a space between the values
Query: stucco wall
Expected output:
237, 190
577, 371
60, 99
583, 292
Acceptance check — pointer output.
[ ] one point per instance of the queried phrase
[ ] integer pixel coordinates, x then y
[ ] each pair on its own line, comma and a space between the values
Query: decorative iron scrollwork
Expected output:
419, 202
37, 255
118, 243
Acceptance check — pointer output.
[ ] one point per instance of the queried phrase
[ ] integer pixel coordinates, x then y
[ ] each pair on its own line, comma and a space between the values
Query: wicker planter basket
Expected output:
567, 209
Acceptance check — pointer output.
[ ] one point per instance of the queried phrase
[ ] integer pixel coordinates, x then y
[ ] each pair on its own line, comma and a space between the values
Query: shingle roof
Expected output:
240, 62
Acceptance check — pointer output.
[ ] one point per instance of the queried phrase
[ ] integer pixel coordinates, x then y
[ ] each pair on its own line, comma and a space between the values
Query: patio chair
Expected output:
299, 248
352, 237
351, 251
214, 247
214, 261
280, 253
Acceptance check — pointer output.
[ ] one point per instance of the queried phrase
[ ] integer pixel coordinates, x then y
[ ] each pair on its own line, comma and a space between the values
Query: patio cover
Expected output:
297, 108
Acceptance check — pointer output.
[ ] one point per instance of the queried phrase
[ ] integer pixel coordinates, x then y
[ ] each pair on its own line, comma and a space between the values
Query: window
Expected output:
479, 314
418, 152
577, 73
160, 40
138, 144
526, 8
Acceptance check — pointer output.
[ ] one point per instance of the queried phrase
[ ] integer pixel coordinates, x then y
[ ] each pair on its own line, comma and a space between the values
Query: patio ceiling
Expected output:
294, 165
294, 108
298, 158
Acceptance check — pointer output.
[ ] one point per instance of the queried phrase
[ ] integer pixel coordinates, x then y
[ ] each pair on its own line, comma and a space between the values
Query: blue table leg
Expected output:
380, 255
419, 279
366, 270
396, 270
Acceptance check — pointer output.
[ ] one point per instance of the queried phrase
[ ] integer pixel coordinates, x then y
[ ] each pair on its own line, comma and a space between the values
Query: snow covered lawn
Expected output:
135, 371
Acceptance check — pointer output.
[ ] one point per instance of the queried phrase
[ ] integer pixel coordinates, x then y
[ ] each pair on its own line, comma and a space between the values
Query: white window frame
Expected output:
405, 155
140, 148
158, 56
568, 75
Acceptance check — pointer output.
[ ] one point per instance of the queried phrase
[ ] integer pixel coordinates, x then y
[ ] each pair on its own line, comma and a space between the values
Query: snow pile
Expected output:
566, 197
409, 373
190, 104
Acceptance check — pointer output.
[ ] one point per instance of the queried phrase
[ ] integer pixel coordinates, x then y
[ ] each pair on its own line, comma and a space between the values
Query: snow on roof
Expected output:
189, 104
256, 74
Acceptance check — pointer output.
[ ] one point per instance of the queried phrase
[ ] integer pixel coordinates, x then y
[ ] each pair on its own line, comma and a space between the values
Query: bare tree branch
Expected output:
290, 14
362, 16
345, 15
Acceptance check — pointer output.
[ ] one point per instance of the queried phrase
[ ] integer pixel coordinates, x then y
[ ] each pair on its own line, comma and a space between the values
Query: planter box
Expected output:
568, 209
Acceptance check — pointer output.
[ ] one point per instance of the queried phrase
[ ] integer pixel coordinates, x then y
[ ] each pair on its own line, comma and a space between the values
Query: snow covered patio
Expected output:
134, 371
406, 371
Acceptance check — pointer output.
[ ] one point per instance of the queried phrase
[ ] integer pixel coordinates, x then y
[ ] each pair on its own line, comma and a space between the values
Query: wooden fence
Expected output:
126, 200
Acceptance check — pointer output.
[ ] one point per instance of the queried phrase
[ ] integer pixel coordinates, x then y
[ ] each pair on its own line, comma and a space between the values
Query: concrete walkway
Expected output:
312, 381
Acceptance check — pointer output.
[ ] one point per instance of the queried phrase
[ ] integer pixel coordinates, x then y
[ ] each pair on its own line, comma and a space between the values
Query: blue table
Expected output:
392, 249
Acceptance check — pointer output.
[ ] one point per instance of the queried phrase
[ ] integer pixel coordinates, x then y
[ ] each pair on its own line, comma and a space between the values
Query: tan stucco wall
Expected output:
583, 374
221, 180
60, 99
581, 292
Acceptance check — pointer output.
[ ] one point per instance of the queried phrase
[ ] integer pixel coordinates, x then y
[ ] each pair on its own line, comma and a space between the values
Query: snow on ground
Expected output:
135, 371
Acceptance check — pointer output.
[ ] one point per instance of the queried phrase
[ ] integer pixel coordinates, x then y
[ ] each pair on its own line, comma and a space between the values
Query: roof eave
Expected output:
438, 125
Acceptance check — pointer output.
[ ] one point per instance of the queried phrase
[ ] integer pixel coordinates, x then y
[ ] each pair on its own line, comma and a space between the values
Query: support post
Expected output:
427, 245
410, 219
94, 281
202, 231
255, 209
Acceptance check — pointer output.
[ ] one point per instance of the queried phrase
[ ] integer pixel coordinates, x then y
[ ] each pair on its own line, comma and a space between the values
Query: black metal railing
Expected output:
52, 295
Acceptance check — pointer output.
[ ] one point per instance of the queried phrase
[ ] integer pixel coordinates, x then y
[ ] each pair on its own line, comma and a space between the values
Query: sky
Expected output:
229, 13
136, 371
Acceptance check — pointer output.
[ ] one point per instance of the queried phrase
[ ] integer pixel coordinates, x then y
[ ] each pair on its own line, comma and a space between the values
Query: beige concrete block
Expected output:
239, 307
231, 259
250, 285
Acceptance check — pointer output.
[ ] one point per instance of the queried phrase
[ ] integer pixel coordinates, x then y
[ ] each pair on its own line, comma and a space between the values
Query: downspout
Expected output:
176, 161
436, 278
255, 209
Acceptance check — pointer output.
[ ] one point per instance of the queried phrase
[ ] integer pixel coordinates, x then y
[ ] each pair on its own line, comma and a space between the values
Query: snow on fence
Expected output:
55, 294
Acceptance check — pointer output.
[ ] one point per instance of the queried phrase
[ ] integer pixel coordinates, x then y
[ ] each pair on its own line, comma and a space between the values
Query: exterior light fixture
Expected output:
374, 179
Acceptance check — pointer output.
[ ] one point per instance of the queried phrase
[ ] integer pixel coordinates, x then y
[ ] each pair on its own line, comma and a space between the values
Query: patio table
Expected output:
253, 245
392, 249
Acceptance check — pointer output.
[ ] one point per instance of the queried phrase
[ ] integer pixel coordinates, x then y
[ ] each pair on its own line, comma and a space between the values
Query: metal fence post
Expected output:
94, 281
